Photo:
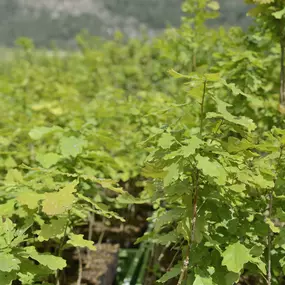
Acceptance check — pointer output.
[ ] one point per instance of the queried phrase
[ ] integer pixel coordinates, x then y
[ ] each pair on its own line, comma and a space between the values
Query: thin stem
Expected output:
184, 269
282, 72
91, 225
172, 261
202, 108
79, 278
269, 246
63, 238
163, 251
61, 248
101, 237
217, 129
90, 237
194, 216
269, 241
194, 62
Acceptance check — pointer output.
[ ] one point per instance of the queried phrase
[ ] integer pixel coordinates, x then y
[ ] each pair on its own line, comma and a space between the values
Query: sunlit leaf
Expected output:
71, 146
166, 141
235, 256
79, 241
173, 272
39, 132
30, 199
59, 202
192, 144
47, 160
212, 168
199, 280
8, 262
172, 174
51, 261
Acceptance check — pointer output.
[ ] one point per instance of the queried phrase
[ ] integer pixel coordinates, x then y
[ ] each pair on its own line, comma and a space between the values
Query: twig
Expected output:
91, 225
172, 261
202, 108
184, 268
79, 278
269, 240
282, 72
269, 276
101, 237
163, 251
90, 237
61, 247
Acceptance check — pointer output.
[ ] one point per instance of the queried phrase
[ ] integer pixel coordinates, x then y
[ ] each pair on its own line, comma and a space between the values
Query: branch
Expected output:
79, 278
184, 269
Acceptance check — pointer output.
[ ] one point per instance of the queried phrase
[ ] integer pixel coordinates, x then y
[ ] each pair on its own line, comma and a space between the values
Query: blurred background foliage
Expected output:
61, 20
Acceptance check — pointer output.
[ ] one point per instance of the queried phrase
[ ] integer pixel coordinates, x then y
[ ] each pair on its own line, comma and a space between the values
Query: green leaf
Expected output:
127, 198
109, 184
279, 14
7, 278
175, 74
13, 176
214, 5
173, 272
236, 145
30, 199
47, 160
260, 264
239, 188
100, 208
54, 229
79, 241
39, 132
9, 262
235, 256
4, 141
166, 141
10, 162
167, 238
231, 278
223, 113
213, 76
29, 266
57, 203
26, 278
199, 280
71, 146
48, 260
212, 169
271, 225
172, 174
167, 218
280, 214
193, 144
8, 209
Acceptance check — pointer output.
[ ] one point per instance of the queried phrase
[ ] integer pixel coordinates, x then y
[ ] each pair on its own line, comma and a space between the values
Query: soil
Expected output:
97, 268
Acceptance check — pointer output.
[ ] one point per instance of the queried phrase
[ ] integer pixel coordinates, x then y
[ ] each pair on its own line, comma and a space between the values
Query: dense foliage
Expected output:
205, 140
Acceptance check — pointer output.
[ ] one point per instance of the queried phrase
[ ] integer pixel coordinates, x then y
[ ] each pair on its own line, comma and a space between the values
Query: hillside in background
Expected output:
61, 20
